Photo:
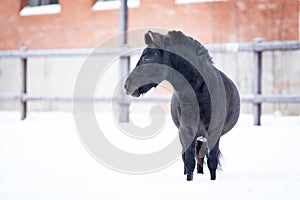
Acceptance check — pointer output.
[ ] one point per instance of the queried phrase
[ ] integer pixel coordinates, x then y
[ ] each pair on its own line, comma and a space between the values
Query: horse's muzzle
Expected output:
128, 90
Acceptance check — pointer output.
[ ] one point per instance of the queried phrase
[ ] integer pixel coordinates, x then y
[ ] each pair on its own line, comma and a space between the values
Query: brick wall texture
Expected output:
78, 26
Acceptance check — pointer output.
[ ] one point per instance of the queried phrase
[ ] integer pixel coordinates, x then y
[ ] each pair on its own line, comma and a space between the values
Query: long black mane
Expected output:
181, 40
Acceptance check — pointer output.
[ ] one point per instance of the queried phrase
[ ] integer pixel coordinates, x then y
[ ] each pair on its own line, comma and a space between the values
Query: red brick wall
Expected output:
77, 26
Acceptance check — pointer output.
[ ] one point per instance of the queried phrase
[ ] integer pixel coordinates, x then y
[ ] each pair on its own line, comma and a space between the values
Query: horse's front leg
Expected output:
213, 160
190, 162
188, 144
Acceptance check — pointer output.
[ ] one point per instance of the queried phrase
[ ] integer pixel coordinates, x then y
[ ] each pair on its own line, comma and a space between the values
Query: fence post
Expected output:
257, 82
124, 63
23, 91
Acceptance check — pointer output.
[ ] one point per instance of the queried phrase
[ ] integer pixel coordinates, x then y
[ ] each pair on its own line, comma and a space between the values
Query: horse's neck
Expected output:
184, 76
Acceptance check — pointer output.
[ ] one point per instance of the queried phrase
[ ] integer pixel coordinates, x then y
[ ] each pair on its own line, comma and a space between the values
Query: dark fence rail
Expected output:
257, 47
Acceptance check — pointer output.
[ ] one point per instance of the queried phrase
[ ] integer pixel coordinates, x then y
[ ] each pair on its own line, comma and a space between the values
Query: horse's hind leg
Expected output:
200, 162
200, 159
213, 160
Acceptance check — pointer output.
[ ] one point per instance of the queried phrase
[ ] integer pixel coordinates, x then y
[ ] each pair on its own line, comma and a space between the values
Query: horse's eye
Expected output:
145, 58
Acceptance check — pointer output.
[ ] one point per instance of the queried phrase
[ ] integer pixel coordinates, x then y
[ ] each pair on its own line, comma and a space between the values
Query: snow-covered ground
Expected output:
43, 158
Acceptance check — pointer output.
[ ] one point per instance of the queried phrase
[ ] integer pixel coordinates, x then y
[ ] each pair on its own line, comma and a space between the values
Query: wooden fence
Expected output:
257, 47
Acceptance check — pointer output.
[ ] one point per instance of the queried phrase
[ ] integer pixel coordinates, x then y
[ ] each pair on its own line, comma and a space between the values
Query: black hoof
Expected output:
213, 175
200, 170
189, 177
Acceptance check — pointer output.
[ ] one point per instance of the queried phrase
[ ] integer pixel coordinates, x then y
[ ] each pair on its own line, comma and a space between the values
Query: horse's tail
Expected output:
220, 156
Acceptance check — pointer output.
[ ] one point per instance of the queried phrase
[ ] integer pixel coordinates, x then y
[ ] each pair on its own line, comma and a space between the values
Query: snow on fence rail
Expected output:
257, 47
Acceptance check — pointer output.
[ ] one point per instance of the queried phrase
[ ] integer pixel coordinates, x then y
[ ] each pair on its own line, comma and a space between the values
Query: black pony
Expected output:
205, 104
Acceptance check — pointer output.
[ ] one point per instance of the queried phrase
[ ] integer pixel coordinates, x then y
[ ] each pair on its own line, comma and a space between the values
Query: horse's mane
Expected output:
176, 39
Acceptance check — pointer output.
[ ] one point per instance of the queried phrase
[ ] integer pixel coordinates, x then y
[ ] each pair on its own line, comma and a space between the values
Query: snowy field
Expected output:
43, 158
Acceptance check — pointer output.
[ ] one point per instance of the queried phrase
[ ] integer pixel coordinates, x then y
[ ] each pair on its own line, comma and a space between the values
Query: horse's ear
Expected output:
149, 38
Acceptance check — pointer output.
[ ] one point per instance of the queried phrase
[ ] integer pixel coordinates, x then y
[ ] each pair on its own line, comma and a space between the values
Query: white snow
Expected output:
43, 158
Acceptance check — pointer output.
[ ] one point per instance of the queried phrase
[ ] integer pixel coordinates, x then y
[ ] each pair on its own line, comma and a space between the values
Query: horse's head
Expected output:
147, 74
150, 70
